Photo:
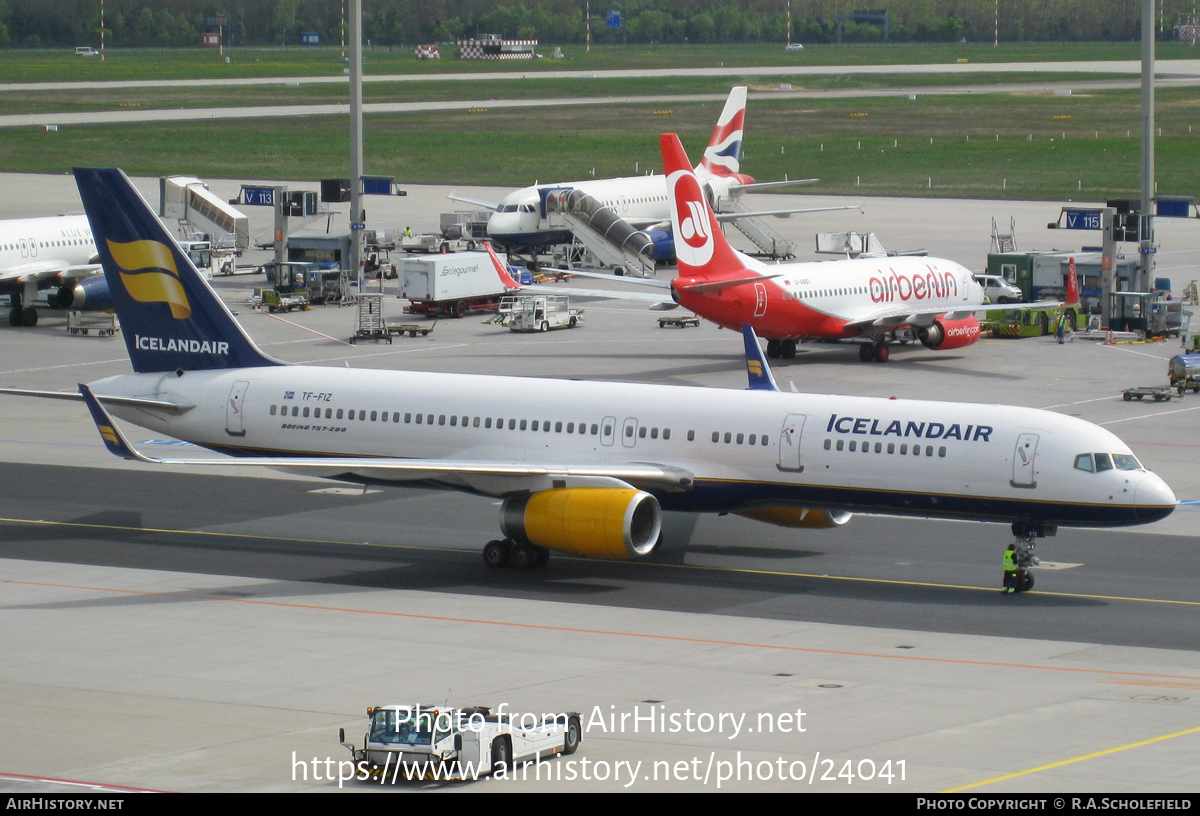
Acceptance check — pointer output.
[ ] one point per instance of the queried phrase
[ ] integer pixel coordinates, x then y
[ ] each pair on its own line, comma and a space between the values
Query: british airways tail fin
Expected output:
723, 157
171, 318
700, 246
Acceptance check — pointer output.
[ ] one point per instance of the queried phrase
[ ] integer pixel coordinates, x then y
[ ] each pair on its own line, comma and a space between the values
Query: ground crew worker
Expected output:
1010, 569
407, 232
1061, 331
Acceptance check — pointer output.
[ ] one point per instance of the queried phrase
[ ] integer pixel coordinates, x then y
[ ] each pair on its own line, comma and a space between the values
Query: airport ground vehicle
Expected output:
997, 290
1183, 372
542, 313
422, 741
451, 284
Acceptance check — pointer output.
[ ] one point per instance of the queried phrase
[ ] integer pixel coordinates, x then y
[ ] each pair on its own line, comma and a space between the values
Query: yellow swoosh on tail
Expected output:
135, 259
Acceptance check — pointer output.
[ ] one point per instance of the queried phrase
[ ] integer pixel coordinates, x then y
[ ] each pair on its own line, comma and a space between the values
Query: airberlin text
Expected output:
180, 344
869, 426
890, 287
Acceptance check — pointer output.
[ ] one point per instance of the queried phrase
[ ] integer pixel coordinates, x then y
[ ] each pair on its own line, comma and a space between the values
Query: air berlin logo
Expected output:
691, 221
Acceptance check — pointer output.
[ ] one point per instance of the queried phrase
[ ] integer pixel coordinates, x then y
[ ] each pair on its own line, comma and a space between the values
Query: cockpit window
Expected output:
1126, 461
526, 208
508, 208
1103, 462
1084, 462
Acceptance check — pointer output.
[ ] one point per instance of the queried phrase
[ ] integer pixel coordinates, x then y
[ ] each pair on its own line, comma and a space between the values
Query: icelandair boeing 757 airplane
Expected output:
583, 467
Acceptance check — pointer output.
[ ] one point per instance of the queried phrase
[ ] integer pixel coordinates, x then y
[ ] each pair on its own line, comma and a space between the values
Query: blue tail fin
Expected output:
169, 315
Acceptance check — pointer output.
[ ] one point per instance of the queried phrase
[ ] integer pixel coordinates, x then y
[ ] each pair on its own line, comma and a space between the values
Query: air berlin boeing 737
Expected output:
582, 467
866, 299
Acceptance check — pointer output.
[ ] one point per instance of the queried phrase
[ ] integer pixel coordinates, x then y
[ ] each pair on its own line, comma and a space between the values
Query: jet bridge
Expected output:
190, 200
609, 237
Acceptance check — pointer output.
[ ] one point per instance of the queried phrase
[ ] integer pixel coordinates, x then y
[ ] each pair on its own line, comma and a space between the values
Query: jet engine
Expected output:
664, 244
949, 334
806, 517
89, 295
597, 522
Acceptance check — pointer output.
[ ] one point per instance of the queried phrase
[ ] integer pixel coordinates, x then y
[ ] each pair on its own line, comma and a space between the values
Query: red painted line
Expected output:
609, 633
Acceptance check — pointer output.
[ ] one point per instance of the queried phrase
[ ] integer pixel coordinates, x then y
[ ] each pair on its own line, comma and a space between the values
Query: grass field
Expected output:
1001, 146
49, 65
1014, 145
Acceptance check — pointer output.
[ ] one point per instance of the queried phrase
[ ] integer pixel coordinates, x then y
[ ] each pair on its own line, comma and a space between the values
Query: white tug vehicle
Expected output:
440, 742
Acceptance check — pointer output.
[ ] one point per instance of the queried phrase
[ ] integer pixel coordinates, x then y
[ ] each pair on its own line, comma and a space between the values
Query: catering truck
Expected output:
436, 741
452, 285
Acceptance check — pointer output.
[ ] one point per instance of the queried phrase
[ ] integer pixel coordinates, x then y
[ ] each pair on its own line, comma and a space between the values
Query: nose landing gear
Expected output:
1023, 559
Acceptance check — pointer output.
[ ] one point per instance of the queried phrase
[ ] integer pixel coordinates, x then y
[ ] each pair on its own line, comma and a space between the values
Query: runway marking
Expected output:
604, 632
1192, 686
1148, 416
636, 564
73, 783
65, 365
1074, 760
1131, 351
305, 328
1079, 402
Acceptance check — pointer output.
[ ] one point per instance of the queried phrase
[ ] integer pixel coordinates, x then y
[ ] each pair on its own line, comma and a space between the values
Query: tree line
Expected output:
135, 23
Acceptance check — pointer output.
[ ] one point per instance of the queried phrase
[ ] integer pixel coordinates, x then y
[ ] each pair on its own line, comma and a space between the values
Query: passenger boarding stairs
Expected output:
610, 238
768, 241
190, 200
1003, 242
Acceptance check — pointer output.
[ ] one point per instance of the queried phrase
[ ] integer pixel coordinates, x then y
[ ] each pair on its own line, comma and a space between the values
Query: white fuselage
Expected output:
746, 449
34, 243
818, 299
641, 200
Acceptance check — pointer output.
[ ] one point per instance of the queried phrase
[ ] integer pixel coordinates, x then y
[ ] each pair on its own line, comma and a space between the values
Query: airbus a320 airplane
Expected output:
38, 252
598, 461
519, 221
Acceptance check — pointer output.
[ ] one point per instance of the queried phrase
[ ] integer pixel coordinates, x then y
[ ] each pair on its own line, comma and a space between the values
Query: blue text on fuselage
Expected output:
870, 426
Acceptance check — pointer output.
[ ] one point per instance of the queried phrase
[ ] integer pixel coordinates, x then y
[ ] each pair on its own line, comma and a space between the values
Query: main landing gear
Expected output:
781, 348
876, 350
1026, 536
515, 554
19, 316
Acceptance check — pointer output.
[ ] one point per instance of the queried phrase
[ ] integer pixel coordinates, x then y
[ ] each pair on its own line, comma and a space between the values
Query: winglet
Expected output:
761, 378
1072, 284
505, 278
113, 439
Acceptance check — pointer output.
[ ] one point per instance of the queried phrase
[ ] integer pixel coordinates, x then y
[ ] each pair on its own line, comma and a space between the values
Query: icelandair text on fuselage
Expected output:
919, 430
180, 344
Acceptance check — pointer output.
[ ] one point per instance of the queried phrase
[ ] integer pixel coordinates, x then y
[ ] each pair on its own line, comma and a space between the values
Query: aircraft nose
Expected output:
1154, 499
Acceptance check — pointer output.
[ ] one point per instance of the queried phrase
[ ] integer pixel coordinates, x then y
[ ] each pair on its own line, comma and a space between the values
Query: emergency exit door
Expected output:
233, 409
789, 443
1024, 474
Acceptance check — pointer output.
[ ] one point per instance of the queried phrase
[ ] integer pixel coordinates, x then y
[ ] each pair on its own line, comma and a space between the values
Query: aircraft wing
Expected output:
897, 317
765, 185
735, 216
660, 302
39, 270
492, 477
491, 205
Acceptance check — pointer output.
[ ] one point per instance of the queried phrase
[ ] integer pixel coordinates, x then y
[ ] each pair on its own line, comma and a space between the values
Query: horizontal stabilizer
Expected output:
132, 402
718, 285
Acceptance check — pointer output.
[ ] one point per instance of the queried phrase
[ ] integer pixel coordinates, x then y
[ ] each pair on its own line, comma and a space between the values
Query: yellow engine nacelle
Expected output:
597, 522
799, 517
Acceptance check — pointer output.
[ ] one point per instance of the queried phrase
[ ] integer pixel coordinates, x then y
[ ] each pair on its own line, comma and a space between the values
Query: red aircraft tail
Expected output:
1072, 284
700, 246
505, 278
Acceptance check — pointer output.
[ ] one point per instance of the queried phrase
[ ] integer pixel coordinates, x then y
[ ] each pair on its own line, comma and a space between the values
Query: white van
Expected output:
998, 290
86, 51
